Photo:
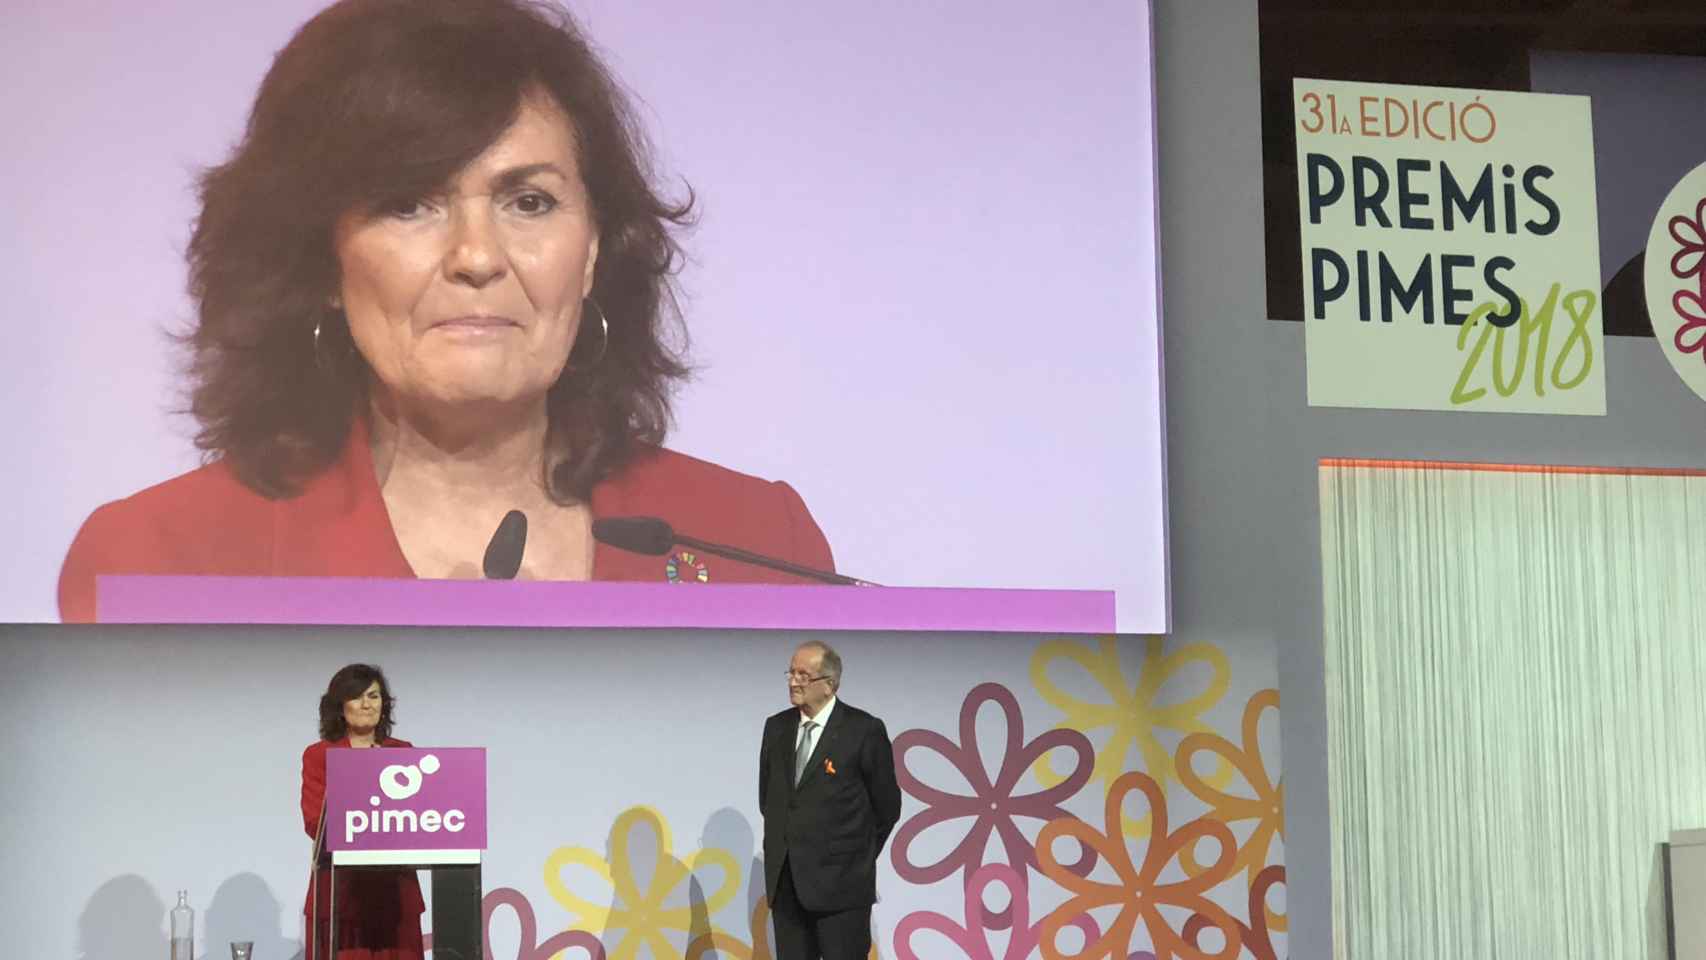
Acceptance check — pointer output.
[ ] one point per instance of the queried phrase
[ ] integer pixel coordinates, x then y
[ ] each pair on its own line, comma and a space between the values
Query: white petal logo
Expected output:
400, 782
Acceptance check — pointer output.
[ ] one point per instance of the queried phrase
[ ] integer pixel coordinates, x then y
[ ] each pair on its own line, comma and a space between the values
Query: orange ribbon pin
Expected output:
829, 766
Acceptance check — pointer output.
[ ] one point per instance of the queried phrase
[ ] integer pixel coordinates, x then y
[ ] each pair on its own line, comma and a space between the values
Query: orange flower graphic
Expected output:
1255, 936
1139, 893
1267, 805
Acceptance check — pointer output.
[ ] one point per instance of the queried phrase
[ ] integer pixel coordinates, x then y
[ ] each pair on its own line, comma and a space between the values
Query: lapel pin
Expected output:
684, 567
829, 766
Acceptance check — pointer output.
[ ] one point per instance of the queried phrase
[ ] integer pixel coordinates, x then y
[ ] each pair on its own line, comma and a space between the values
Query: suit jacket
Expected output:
207, 522
387, 899
831, 827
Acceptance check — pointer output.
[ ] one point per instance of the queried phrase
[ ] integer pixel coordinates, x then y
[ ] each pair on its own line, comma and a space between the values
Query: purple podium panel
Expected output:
528, 603
406, 805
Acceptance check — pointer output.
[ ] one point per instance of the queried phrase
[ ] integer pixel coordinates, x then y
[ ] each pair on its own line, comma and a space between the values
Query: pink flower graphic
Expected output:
973, 938
529, 948
992, 805
719, 945
1691, 234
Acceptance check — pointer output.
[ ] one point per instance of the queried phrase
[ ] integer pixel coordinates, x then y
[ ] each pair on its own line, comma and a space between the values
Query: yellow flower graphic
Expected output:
1132, 712
1266, 806
641, 917
718, 945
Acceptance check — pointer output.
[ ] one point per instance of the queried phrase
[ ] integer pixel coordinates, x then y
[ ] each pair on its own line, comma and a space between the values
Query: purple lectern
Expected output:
413, 807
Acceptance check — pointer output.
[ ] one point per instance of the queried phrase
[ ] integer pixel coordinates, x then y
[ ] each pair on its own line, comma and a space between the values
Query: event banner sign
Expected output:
1450, 249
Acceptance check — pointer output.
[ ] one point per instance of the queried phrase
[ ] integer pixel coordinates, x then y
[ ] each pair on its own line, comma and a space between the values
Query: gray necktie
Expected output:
803, 750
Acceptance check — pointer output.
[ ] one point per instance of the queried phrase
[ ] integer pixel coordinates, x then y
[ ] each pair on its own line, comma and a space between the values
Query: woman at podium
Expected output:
434, 283
379, 910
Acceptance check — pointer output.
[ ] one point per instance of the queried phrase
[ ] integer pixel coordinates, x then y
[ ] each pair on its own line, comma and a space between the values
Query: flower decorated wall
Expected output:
1063, 797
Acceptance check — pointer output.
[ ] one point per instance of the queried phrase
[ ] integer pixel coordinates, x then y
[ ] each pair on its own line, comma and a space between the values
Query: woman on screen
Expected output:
379, 911
434, 284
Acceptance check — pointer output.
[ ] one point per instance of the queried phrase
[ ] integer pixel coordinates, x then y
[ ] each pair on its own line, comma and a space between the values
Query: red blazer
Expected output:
379, 911
207, 522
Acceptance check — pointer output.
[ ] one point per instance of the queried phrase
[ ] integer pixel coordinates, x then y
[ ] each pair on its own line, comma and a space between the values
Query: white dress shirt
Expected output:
822, 721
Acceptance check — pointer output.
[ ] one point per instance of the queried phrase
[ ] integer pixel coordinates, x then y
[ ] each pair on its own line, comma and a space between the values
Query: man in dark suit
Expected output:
827, 791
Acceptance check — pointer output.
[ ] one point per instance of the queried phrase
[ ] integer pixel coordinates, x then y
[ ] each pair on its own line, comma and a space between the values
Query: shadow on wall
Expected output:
244, 908
1623, 302
1658, 907
727, 829
642, 897
124, 920
656, 896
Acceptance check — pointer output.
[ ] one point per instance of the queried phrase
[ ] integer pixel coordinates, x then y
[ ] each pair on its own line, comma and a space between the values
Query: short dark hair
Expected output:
347, 684
374, 100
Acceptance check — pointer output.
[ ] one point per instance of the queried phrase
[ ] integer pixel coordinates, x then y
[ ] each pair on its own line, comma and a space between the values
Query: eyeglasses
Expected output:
803, 677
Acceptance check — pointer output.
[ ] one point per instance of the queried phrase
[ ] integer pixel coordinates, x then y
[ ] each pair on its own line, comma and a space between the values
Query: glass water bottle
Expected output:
183, 928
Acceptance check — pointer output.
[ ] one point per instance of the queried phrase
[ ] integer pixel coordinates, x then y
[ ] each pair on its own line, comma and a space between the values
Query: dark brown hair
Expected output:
375, 100
348, 684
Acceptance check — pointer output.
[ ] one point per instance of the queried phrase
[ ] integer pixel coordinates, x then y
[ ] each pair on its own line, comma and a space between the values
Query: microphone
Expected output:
647, 535
654, 537
503, 553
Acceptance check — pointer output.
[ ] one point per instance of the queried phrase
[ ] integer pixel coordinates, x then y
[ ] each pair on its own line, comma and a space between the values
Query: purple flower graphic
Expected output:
992, 805
973, 938
1690, 307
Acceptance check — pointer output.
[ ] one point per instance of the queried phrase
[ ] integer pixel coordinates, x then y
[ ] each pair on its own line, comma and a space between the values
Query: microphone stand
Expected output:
314, 889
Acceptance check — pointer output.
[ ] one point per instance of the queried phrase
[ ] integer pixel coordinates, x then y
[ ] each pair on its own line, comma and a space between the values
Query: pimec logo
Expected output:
407, 799
400, 782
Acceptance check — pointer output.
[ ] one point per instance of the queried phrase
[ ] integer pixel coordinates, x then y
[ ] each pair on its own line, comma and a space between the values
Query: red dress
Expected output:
379, 911
207, 522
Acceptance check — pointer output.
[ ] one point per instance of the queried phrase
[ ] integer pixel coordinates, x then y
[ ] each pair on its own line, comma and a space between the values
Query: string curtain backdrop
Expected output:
1514, 676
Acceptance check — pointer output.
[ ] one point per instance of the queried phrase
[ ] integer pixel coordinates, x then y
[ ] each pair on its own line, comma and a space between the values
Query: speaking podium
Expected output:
402, 808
